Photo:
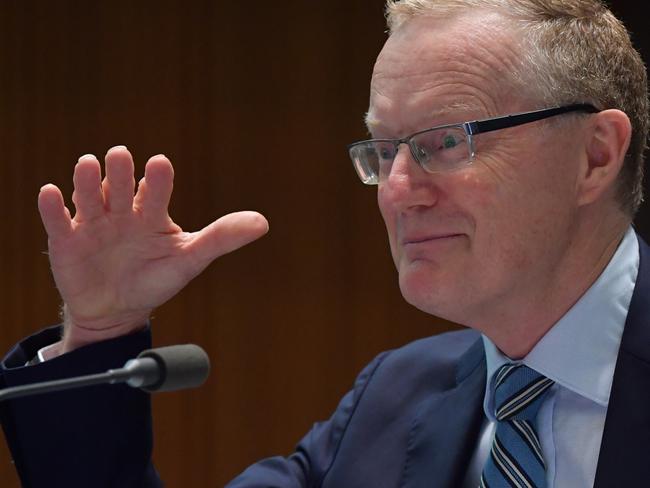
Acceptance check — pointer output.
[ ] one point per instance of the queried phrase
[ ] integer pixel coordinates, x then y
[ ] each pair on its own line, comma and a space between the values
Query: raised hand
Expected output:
121, 255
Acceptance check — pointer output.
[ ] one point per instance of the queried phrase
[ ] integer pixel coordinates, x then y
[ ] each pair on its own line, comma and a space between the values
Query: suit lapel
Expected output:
623, 459
445, 431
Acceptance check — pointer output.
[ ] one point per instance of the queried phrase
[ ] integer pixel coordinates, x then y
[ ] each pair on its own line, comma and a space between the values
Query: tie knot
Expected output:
518, 392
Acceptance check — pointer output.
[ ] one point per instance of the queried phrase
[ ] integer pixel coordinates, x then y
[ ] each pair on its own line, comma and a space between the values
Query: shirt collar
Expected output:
579, 352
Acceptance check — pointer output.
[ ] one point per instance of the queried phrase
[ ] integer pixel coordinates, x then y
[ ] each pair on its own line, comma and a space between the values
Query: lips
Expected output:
418, 239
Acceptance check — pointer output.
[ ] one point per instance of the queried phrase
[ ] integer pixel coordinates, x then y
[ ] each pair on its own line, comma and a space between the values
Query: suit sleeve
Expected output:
101, 436
97, 436
315, 453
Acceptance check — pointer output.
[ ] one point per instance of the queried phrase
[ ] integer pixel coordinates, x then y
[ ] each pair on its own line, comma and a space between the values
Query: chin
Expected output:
425, 291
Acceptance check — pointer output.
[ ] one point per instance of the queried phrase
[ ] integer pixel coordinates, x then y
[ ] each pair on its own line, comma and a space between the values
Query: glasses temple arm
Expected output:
479, 126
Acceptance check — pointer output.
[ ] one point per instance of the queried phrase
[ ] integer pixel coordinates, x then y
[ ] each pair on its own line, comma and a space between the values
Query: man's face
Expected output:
476, 244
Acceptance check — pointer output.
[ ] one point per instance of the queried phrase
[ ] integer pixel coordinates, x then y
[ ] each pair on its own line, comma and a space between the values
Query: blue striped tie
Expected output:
516, 456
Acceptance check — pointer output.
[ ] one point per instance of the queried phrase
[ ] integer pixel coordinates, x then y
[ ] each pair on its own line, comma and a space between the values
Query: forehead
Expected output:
434, 68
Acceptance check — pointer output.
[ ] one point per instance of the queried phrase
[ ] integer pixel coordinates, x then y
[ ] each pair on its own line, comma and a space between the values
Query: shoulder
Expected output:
385, 400
445, 347
432, 363
436, 353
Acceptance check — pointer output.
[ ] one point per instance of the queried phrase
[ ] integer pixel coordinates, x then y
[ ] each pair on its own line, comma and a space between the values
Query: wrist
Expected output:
79, 332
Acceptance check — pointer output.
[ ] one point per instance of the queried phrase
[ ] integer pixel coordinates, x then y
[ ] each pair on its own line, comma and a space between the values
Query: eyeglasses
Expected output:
443, 148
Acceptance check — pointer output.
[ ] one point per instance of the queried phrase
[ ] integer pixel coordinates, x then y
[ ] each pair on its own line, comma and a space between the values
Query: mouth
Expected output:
413, 240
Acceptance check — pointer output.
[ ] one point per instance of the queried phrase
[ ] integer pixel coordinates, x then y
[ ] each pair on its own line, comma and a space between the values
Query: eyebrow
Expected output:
372, 122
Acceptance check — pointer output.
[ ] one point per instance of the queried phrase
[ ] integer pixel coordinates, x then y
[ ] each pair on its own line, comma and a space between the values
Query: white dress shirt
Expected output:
579, 353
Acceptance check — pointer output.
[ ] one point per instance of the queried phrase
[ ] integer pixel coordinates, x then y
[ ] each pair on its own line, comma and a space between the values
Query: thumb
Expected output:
225, 235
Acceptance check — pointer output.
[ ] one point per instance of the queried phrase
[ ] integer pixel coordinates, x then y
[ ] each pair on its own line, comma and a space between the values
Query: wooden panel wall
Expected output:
254, 103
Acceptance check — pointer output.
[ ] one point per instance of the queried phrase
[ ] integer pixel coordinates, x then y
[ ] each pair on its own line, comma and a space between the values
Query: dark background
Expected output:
253, 102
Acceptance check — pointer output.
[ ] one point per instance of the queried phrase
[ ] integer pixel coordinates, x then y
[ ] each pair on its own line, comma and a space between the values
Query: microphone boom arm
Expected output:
163, 369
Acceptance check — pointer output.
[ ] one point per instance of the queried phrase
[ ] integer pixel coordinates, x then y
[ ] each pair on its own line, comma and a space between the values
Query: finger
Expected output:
87, 196
55, 216
155, 189
226, 234
119, 184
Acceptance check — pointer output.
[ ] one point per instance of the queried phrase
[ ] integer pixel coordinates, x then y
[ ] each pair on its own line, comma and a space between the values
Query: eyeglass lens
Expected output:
436, 150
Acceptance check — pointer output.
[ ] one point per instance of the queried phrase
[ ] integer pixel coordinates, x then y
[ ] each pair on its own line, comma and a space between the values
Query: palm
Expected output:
121, 255
115, 265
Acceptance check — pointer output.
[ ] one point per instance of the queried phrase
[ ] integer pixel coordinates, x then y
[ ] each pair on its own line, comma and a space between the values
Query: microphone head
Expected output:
181, 366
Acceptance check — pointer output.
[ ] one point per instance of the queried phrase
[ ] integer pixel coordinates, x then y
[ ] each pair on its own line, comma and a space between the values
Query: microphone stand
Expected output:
163, 369
136, 372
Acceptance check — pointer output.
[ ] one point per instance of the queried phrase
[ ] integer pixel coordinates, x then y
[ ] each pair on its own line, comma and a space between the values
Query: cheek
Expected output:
475, 187
382, 202
476, 197
497, 212
389, 215
522, 211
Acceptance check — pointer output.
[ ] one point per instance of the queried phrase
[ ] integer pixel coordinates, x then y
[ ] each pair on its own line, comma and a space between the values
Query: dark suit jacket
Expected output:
412, 419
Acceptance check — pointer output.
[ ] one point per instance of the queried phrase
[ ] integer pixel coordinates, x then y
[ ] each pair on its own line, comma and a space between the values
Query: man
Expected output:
507, 146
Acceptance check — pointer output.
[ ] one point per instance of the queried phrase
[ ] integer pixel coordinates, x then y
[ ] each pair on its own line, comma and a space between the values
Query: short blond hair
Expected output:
572, 51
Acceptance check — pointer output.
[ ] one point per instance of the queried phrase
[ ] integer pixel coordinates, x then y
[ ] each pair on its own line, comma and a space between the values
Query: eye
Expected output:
386, 152
440, 149
449, 141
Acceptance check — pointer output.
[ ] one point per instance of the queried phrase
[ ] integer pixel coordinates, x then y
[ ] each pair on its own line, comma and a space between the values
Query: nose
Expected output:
407, 185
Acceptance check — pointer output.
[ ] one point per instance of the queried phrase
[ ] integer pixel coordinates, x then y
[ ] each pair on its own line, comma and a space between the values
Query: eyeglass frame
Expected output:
471, 129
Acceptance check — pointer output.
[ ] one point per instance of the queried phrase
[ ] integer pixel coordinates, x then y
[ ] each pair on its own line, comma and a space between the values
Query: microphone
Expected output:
162, 369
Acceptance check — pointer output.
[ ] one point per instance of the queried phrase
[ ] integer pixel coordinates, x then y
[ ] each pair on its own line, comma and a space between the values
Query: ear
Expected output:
608, 138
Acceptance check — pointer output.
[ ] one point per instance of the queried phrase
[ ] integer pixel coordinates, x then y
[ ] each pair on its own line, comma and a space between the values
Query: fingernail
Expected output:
87, 156
118, 147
